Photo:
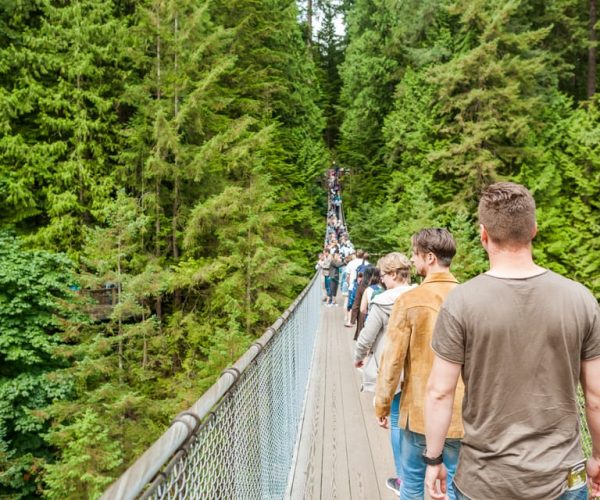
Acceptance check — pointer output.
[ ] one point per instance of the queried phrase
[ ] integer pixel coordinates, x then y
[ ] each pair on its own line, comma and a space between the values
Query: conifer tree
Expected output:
275, 82
329, 56
491, 93
178, 102
565, 183
369, 73
60, 128
87, 448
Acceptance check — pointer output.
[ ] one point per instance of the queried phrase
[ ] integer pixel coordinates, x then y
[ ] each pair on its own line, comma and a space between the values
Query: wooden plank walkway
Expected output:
342, 453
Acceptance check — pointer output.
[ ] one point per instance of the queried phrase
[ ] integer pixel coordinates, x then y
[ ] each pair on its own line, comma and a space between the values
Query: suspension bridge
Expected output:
287, 420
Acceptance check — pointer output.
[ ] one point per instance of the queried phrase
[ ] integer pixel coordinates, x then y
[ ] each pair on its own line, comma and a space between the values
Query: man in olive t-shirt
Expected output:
523, 338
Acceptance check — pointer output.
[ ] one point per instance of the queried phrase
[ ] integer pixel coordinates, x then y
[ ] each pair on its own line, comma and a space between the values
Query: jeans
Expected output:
412, 446
328, 286
395, 434
578, 494
343, 281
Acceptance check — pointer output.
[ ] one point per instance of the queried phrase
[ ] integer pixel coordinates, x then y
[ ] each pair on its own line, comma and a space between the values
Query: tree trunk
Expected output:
120, 322
309, 22
593, 39
176, 180
145, 348
248, 292
159, 153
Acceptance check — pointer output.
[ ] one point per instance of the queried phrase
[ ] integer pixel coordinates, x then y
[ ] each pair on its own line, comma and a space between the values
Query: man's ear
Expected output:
484, 237
535, 231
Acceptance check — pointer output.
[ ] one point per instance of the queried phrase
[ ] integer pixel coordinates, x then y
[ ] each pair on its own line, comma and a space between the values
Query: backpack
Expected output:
359, 269
362, 268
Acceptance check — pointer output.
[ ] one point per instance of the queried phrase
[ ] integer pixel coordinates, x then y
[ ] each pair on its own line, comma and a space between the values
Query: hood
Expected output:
388, 297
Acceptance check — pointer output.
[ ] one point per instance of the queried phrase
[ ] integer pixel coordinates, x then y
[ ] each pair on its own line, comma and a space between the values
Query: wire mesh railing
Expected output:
238, 440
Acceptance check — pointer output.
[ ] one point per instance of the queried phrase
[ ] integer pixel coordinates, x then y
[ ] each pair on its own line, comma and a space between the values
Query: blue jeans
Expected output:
578, 494
395, 434
328, 286
412, 447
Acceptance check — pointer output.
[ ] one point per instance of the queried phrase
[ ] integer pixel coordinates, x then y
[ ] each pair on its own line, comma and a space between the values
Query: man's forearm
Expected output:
592, 413
590, 382
438, 415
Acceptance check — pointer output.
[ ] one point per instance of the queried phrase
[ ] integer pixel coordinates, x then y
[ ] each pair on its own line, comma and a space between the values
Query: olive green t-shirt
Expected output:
520, 342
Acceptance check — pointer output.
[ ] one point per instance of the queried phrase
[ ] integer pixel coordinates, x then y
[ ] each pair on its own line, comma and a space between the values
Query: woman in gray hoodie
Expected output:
395, 275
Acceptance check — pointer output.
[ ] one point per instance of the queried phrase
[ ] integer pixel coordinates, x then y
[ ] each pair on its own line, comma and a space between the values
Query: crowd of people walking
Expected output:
477, 382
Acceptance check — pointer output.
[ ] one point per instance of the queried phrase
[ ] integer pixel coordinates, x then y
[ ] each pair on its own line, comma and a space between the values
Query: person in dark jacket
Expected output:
334, 277
370, 276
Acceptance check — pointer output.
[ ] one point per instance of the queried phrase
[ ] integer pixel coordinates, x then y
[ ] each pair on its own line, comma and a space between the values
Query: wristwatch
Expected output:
433, 461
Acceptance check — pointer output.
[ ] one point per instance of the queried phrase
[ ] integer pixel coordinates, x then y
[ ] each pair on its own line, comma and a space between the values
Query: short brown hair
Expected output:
507, 210
438, 241
395, 262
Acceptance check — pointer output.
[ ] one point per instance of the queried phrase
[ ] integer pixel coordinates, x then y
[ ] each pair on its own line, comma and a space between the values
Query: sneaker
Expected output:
394, 484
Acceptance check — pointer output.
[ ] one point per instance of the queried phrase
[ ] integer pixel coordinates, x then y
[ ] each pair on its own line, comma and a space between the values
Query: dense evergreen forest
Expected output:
171, 153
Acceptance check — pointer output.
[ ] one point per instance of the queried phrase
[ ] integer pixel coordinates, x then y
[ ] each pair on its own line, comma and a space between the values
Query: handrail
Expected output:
182, 430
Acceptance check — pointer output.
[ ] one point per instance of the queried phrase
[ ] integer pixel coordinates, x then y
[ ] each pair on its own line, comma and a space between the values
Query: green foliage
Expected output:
87, 448
478, 100
329, 54
369, 73
276, 83
34, 287
175, 149
566, 182
491, 93
59, 125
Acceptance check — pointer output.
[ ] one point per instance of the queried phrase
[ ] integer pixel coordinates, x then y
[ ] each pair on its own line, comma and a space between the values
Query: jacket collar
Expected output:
445, 276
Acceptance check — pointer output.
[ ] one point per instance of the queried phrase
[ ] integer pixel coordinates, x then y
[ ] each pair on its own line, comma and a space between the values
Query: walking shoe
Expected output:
394, 484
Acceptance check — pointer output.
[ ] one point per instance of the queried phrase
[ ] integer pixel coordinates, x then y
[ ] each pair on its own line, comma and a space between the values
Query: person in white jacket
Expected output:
395, 276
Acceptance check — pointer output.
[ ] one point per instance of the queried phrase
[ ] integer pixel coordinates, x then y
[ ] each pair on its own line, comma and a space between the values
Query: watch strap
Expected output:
433, 461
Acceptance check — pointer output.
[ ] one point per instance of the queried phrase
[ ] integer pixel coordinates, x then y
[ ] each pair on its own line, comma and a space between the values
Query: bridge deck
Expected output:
342, 452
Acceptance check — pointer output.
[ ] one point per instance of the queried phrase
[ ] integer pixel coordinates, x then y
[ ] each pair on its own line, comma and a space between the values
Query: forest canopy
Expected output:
167, 156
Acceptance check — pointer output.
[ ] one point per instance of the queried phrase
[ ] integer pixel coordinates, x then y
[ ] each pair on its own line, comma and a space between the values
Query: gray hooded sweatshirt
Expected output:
371, 340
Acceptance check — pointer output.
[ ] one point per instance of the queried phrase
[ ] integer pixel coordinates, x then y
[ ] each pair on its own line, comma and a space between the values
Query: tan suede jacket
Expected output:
408, 347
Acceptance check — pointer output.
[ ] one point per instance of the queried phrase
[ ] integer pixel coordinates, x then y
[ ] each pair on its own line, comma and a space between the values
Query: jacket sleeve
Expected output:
392, 360
368, 335
356, 304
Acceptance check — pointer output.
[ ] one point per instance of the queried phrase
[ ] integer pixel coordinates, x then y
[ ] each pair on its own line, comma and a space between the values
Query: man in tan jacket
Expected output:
408, 350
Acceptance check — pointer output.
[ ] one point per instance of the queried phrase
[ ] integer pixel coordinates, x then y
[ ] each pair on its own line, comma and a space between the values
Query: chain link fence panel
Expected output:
243, 446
